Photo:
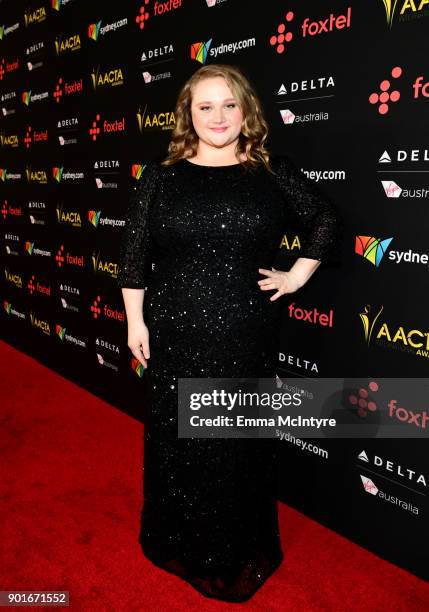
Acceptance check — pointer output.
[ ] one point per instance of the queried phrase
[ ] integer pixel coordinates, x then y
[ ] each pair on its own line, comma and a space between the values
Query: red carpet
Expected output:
70, 504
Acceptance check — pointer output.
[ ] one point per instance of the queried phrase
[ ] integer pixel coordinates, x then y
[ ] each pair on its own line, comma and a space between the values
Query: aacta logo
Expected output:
107, 78
371, 248
36, 176
9, 140
163, 121
108, 127
106, 267
40, 324
414, 341
72, 43
68, 217
36, 16
309, 28
405, 11
159, 9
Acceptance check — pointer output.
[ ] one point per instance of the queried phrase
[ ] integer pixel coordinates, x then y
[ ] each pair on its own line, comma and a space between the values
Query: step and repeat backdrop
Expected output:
87, 96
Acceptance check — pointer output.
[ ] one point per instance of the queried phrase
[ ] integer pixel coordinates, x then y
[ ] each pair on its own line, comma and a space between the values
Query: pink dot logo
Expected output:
278, 40
94, 130
142, 16
361, 401
385, 96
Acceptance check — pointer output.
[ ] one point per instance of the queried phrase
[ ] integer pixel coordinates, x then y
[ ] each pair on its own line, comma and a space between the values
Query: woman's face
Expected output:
216, 115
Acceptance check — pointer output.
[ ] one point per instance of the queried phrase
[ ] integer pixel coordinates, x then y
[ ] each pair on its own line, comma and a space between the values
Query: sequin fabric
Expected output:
210, 505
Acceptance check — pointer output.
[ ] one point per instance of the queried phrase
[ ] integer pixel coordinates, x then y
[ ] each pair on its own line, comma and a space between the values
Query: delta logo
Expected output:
103, 266
3, 172
98, 309
308, 27
7, 66
67, 88
36, 16
107, 78
159, 9
67, 45
26, 97
115, 126
66, 217
9, 140
201, 50
36, 176
137, 171
407, 10
405, 338
155, 121
95, 30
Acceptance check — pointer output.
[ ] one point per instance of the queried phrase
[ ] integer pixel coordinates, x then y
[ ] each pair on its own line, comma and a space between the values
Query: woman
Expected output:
210, 217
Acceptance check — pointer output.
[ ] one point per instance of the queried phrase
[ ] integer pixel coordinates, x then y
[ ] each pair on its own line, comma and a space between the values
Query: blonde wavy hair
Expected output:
254, 131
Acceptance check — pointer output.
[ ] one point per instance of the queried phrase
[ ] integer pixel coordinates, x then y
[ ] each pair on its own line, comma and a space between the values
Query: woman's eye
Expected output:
232, 104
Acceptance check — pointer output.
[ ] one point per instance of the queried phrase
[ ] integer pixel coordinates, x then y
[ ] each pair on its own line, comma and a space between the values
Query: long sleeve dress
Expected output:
210, 505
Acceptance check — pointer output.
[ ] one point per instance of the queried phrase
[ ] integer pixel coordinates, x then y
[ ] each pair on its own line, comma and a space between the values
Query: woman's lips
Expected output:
219, 129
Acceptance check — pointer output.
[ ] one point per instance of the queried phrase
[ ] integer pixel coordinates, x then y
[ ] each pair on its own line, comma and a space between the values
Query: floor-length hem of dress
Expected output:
248, 595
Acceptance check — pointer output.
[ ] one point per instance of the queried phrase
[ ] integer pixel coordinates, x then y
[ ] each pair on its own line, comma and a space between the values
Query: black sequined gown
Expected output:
210, 507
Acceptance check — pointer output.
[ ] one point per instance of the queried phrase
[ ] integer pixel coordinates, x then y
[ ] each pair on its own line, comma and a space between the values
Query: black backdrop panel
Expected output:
87, 93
